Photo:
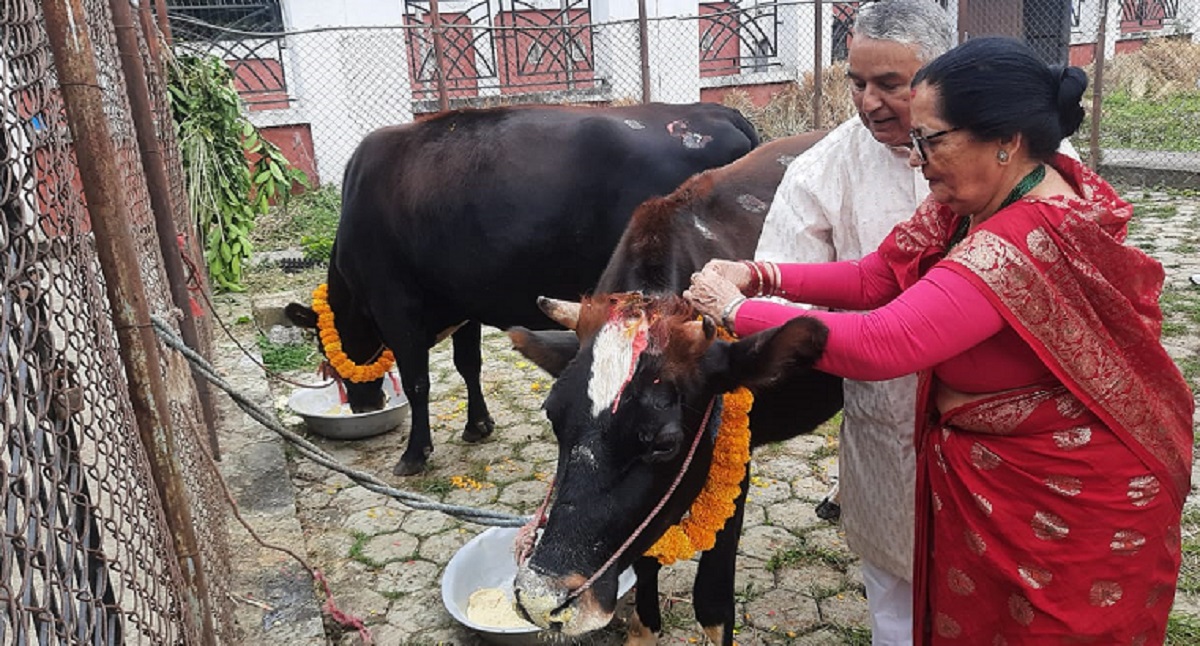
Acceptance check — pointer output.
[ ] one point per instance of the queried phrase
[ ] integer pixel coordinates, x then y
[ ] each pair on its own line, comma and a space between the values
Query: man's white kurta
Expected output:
838, 201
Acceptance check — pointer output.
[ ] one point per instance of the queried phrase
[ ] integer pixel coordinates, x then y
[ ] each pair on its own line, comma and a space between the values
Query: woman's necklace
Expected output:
1026, 184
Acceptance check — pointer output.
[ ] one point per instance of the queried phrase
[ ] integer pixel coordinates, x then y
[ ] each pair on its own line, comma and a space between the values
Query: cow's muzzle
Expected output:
548, 602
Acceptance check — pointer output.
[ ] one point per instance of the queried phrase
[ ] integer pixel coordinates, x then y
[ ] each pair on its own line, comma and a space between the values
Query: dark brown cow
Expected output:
626, 414
466, 218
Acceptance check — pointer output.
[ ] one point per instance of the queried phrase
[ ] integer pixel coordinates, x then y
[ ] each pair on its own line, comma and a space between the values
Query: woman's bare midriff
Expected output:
948, 399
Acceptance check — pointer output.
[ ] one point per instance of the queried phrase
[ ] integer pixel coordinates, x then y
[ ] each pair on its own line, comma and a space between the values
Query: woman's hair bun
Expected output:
1072, 82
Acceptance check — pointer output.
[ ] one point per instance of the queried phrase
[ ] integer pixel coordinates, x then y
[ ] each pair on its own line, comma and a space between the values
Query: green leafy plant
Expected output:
282, 357
232, 173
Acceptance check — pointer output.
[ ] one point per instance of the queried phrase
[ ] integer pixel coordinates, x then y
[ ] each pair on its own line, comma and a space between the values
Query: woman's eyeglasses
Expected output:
919, 141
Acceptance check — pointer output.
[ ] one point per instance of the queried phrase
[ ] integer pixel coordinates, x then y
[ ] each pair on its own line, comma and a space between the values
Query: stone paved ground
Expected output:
797, 583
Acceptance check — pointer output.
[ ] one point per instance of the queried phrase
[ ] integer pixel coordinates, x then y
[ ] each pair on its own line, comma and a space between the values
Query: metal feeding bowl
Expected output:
325, 414
487, 561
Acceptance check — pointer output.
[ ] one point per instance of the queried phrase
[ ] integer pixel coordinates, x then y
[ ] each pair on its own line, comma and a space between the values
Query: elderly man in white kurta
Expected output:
838, 201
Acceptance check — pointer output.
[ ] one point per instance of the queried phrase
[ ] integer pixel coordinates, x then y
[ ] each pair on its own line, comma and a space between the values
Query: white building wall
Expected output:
343, 83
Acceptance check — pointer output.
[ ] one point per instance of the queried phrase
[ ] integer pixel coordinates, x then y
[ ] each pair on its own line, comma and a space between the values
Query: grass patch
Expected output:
1159, 123
805, 554
1183, 629
1159, 210
285, 357
1189, 569
852, 635
433, 485
357, 551
310, 219
1172, 328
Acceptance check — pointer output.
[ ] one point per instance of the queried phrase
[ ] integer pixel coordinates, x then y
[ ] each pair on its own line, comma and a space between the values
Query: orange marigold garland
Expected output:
715, 505
332, 342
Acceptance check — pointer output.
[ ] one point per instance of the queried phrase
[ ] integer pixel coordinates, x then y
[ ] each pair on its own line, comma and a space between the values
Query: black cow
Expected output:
466, 218
619, 455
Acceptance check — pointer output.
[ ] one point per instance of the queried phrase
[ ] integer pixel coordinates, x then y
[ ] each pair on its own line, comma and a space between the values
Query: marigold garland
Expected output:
715, 505
332, 342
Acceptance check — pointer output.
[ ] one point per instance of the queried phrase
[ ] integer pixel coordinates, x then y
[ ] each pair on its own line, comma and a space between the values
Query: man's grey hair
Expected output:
913, 22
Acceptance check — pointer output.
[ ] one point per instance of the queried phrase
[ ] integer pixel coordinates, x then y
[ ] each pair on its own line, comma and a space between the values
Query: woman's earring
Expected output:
1002, 156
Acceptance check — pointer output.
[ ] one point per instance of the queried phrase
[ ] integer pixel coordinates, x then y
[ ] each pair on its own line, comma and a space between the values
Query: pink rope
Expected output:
527, 535
343, 618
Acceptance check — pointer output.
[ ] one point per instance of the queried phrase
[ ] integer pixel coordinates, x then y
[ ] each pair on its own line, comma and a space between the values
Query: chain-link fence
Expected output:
89, 552
335, 74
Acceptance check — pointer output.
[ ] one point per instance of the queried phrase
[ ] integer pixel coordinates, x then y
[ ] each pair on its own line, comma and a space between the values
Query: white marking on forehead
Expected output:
703, 228
613, 359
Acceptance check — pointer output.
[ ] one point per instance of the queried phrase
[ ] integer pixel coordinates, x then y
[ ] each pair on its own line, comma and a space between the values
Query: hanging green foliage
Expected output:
232, 173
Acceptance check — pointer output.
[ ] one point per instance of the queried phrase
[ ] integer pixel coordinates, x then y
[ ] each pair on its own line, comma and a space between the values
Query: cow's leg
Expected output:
712, 592
413, 361
646, 622
469, 362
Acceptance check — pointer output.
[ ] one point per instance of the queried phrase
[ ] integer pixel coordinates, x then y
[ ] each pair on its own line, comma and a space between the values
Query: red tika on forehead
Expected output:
638, 344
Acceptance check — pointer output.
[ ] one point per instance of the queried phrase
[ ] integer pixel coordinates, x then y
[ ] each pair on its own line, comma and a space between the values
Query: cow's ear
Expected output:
761, 359
551, 350
301, 315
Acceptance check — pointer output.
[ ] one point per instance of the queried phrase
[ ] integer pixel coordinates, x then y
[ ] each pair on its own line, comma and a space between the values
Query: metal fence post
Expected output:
818, 67
1098, 88
159, 189
644, 50
164, 25
439, 55
95, 152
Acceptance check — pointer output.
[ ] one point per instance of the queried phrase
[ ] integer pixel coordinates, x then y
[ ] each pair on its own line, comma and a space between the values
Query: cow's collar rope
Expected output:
332, 343
716, 503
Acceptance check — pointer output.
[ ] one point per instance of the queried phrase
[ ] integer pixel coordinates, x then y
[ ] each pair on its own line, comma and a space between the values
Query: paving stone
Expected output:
676, 580
420, 611
483, 497
812, 580
765, 541
846, 609
410, 576
781, 610
525, 496
440, 547
755, 514
371, 521
752, 578
810, 488
423, 523
390, 547
767, 490
795, 515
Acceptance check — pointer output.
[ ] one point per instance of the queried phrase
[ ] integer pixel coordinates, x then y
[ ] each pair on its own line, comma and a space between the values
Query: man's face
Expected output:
880, 74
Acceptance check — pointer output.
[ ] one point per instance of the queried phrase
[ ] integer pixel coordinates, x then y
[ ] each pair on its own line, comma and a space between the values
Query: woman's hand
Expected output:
738, 273
714, 295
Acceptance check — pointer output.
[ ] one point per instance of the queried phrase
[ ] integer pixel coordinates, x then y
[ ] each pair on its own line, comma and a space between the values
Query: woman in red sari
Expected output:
1054, 448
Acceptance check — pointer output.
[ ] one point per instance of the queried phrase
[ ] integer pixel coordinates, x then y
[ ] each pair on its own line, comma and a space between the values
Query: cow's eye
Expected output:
665, 444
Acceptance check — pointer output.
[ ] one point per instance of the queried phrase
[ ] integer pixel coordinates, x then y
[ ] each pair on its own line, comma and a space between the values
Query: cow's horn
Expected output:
565, 313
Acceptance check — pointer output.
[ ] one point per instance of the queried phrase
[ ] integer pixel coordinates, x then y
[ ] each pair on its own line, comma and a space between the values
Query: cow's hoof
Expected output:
407, 467
478, 431
829, 510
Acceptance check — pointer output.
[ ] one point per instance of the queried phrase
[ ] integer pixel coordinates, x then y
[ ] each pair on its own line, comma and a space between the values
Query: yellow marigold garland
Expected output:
332, 342
714, 506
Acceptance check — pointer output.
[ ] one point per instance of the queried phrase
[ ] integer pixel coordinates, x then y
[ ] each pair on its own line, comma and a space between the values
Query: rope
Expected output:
313, 452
